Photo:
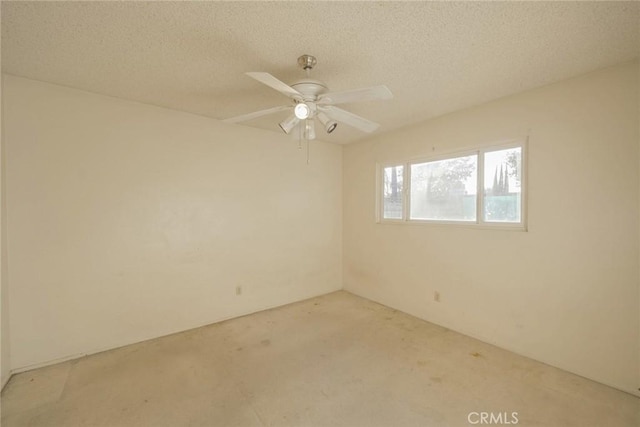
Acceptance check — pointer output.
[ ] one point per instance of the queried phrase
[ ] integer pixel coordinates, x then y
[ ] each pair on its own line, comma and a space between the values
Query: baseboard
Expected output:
632, 392
67, 358
5, 380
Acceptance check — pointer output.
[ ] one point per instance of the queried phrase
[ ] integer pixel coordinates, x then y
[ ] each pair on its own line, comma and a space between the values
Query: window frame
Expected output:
479, 222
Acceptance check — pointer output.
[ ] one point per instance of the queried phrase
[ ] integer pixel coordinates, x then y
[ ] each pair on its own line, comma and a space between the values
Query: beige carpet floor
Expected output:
335, 360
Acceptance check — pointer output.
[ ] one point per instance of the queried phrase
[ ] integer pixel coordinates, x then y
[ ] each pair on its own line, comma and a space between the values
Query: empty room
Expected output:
320, 213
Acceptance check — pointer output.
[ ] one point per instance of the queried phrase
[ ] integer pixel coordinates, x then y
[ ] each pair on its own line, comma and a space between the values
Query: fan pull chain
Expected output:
308, 145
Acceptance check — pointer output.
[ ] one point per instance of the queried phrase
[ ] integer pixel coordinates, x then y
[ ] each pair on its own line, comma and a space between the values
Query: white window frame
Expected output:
479, 221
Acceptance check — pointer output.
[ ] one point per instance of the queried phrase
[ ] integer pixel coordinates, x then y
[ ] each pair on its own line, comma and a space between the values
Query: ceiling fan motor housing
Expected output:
309, 88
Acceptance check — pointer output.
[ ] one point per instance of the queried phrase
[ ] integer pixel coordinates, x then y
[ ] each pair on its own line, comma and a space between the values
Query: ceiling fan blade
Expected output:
350, 119
256, 114
272, 82
356, 95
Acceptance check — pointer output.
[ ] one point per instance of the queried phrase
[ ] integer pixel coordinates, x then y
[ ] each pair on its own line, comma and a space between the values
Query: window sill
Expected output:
456, 224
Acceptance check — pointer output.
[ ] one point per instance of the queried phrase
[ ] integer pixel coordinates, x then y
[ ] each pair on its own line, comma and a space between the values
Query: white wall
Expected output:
565, 292
127, 221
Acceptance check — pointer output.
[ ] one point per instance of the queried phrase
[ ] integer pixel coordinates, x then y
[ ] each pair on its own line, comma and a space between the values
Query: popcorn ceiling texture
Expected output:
436, 57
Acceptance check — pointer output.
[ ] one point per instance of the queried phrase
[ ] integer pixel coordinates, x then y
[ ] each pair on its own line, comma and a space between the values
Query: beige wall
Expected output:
5, 363
127, 221
638, 118
566, 291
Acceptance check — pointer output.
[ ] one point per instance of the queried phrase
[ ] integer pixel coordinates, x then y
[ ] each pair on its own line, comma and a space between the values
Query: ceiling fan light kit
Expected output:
328, 123
309, 130
289, 123
302, 110
312, 99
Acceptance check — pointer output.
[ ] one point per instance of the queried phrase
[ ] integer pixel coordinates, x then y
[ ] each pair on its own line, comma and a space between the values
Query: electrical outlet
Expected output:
238, 290
436, 296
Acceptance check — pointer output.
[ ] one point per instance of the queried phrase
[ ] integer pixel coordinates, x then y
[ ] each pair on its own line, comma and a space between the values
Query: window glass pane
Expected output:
503, 185
445, 190
392, 192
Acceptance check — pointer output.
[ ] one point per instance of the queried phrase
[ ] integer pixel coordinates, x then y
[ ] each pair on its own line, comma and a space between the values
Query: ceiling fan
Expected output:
313, 100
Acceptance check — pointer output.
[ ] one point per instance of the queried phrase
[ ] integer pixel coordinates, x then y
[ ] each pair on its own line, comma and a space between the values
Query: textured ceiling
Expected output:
436, 57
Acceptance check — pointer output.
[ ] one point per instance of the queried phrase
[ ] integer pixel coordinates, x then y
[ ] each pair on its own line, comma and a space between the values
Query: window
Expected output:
503, 185
481, 187
393, 178
445, 189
